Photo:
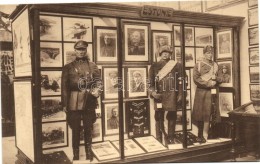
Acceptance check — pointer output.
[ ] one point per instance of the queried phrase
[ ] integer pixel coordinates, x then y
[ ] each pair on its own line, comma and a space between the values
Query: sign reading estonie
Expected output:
152, 11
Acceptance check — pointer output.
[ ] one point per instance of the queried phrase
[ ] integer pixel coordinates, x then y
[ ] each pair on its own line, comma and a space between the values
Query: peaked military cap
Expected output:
165, 49
207, 49
81, 45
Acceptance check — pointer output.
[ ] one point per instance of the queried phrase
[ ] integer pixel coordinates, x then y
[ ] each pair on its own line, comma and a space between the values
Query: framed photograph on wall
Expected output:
54, 135
254, 74
225, 103
179, 120
136, 41
252, 3
225, 73
50, 28
254, 56
224, 44
203, 36
177, 35
253, 16
75, 29
104, 151
253, 36
131, 148
136, 82
189, 36
189, 57
50, 83
22, 45
106, 44
51, 54
160, 38
254, 92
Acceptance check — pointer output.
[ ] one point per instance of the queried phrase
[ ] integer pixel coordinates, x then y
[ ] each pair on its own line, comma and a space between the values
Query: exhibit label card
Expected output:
150, 144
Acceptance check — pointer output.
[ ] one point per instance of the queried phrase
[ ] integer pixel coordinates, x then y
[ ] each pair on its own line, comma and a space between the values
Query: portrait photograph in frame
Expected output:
160, 38
136, 82
52, 109
104, 151
189, 36
50, 28
253, 36
50, 83
225, 103
177, 35
179, 121
225, 73
136, 42
150, 144
75, 29
21, 45
51, 54
255, 92
252, 3
54, 135
254, 56
106, 44
253, 16
203, 36
131, 148
224, 44
24, 118
254, 74
189, 57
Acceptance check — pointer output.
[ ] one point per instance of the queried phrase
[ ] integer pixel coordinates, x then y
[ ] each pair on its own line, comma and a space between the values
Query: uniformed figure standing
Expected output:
166, 90
80, 89
205, 77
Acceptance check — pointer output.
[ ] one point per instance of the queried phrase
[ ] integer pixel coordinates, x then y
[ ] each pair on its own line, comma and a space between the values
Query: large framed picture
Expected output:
52, 109
106, 44
75, 29
160, 38
225, 103
189, 36
180, 118
136, 82
189, 57
138, 120
50, 83
150, 144
254, 74
255, 92
225, 73
24, 118
50, 28
21, 45
136, 42
51, 54
131, 148
104, 151
177, 35
252, 3
54, 135
224, 44
203, 36
254, 56
253, 36
253, 16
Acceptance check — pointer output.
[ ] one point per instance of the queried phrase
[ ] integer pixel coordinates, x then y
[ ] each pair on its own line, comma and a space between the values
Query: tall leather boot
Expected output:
201, 139
171, 131
88, 143
158, 131
75, 153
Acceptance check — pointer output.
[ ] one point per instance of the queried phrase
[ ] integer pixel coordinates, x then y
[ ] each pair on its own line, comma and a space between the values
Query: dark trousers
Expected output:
74, 120
171, 115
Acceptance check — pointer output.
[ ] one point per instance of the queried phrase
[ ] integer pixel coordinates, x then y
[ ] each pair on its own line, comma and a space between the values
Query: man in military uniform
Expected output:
166, 89
224, 77
113, 121
80, 89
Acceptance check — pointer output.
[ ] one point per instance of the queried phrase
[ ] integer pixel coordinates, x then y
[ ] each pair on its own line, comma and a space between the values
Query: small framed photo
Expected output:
51, 54
189, 57
254, 56
254, 74
136, 42
104, 151
52, 109
189, 36
75, 29
131, 148
253, 16
106, 44
224, 44
179, 120
255, 92
253, 36
54, 135
225, 73
150, 144
188, 80
252, 3
177, 54
50, 83
225, 103
50, 28
203, 37
96, 132
177, 35
160, 38
199, 54
136, 82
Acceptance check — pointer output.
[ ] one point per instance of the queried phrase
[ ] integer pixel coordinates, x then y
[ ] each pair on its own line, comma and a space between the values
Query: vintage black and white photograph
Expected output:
253, 36
224, 41
189, 57
254, 92
150, 144
225, 103
54, 134
77, 29
136, 42
179, 120
106, 44
50, 28
160, 38
51, 54
136, 84
131, 148
104, 151
52, 109
111, 119
189, 36
225, 74
254, 74
177, 35
50, 83
252, 3
253, 16
21, 45
254, 56
203, 36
